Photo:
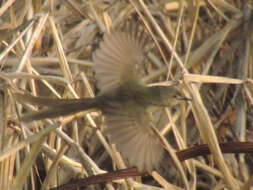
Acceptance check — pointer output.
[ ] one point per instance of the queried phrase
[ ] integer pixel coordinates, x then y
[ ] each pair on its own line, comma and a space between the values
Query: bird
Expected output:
124, 99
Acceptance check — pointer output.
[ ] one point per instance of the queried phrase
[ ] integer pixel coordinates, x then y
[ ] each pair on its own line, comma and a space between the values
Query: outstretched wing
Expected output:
130, 130
119, 56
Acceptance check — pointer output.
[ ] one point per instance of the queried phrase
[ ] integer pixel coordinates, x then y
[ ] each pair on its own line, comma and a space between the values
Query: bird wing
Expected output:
119, 57
131, 131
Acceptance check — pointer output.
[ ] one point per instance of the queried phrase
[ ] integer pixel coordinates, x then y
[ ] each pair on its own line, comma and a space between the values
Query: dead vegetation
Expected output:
46, 49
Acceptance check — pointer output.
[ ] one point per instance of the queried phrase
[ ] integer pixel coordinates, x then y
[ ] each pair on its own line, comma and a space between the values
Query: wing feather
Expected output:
116, 60
133, 136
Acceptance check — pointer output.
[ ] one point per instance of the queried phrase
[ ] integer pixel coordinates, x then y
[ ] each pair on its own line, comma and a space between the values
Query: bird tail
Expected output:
55, 107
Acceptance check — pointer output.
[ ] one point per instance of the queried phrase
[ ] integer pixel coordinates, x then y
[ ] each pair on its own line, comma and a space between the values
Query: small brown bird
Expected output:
124, 99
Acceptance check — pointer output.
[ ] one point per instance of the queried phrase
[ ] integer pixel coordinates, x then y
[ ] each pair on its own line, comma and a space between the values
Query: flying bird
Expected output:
124, 99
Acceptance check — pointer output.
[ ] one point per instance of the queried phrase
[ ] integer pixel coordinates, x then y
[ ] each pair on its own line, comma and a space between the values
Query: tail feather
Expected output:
55, 107
43, 101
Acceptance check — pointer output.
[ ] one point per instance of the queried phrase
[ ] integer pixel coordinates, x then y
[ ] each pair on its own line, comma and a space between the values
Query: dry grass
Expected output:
46, 49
